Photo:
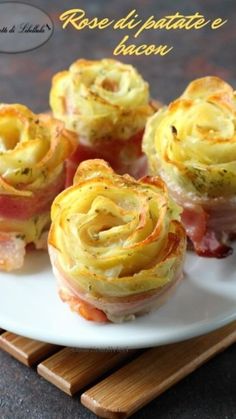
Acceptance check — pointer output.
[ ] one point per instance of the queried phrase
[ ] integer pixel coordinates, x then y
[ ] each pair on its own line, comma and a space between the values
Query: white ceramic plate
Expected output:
204, 301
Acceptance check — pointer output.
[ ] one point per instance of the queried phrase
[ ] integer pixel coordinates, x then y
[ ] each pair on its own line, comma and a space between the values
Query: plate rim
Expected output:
189, 333
113, 341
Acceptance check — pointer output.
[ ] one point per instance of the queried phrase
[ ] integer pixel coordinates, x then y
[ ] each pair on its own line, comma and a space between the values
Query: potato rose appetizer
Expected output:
191, 144
116, 245
32, 153
107, 104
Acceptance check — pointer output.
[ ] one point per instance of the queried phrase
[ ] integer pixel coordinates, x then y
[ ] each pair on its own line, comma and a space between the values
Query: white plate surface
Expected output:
204, 301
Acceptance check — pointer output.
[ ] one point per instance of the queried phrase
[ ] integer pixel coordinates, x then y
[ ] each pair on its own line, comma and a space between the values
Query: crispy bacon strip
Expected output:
114, 309
123, 156
24, 208
204, 233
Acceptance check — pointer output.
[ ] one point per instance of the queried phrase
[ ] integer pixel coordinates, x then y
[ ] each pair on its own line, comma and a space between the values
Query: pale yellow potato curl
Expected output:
33, 149
192, 142
115, 236
103, 99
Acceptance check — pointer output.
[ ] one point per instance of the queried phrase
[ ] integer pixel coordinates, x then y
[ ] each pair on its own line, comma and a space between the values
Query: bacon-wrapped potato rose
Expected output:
191, 144
107, 104
32, 153
115, 243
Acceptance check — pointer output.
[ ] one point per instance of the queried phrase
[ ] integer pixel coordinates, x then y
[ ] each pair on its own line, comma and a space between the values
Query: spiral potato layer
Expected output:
112, 236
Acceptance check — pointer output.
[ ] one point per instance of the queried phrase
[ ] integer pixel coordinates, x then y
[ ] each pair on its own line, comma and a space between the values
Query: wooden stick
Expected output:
70, 369
25, 350
136, 384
